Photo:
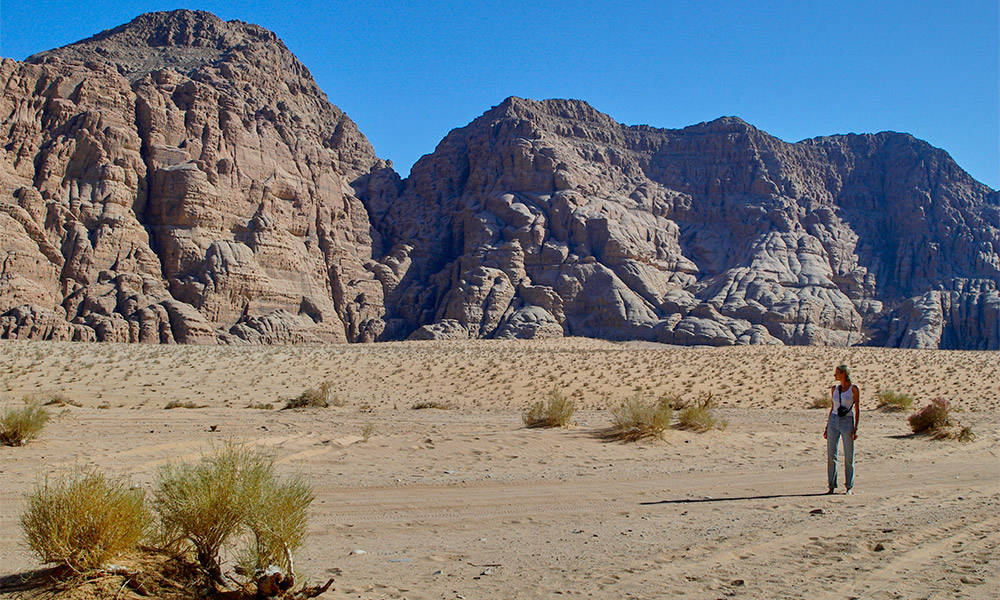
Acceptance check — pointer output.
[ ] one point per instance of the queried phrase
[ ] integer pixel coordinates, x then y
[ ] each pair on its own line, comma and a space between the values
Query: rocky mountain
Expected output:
183, 179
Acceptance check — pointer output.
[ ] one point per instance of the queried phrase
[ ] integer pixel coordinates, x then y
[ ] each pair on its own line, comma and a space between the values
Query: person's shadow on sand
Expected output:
730, 499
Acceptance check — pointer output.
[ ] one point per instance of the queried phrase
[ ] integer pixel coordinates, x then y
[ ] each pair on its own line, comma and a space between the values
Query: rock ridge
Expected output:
182, 179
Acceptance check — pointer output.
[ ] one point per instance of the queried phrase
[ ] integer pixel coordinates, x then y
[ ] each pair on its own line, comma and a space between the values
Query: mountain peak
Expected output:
181, 39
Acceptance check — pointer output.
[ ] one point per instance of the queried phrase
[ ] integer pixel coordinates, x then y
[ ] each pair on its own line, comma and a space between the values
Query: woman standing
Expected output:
842, 423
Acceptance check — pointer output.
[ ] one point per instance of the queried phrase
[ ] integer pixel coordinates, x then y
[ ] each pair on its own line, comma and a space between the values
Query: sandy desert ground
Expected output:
467, 503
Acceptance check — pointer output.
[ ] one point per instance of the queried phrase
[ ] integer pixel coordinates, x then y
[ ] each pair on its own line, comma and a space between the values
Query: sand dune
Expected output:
468, 503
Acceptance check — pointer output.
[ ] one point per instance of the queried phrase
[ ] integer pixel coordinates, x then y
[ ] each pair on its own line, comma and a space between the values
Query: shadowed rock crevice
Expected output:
183, 179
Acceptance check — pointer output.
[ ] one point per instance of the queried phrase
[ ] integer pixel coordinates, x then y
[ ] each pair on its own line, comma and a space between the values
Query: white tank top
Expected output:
843, 398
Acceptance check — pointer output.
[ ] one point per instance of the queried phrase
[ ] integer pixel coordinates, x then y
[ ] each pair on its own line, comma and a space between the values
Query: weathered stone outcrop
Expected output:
713, 234
183, 179
197, 159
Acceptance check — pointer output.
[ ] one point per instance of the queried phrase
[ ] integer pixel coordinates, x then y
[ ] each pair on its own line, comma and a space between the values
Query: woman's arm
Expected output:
857, 410
828, 413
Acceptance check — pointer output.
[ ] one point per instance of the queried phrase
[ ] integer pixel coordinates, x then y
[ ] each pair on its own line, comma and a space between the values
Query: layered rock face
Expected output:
549, 218
183, 179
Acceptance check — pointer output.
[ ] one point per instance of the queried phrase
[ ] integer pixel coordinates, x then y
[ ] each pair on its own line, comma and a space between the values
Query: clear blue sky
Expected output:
408, 72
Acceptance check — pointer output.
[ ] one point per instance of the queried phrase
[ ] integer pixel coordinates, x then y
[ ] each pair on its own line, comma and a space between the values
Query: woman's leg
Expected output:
848, 452
832, 435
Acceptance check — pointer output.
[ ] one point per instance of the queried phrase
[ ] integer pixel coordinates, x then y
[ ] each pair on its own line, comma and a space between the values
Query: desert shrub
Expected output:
675, 401
178, 404
821, 402
933, 419
890, 400
555, 411
58, 400
260, 406
21, 425
431, 404
699, 418
367, 432
313, 397
232, 495
635, 418
966, 435
85, 520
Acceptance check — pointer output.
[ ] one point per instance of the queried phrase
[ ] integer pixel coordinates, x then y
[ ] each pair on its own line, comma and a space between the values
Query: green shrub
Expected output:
890, 400
230, 495
21, 425
699, 418
556, 411
85, 520
933, 419
313, 397
635, 418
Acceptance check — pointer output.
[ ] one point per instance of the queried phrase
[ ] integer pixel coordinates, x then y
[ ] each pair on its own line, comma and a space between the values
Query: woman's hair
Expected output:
846, 371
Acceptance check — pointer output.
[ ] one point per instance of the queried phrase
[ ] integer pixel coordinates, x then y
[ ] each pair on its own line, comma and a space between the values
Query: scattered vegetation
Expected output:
59, 400
698, 415
966, 435
314, 397
936, 420
260, 406
555, 411
890, 400
933, 419
432, 404
178, 404
636, 418
85, 520
231, 499
21, 425
231, 493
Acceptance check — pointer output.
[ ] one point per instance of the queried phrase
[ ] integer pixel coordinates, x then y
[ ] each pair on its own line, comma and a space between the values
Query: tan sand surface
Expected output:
466, 503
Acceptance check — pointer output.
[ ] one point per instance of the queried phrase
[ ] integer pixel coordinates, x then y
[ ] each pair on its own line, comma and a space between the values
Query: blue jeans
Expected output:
838, 428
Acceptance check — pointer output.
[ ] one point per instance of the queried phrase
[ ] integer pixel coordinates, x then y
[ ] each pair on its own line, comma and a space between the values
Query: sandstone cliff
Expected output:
183, 179
549, 218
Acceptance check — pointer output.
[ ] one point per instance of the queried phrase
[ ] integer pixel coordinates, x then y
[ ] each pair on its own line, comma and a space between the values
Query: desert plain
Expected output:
463, 501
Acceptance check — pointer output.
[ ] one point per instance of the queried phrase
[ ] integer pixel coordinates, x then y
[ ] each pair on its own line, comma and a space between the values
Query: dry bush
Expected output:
58, 400
231, 495
260, 406
635, 418
933, 419
704, 400
699, 418
84, 520
367, 432
966, 435
432, 404
277, 523
821, 402
698, 415
890, 400
314, 397
21, 425
556, 411
178, 404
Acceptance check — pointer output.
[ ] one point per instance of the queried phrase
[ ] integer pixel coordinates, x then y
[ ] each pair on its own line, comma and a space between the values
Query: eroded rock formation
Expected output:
547, 215
183, 179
